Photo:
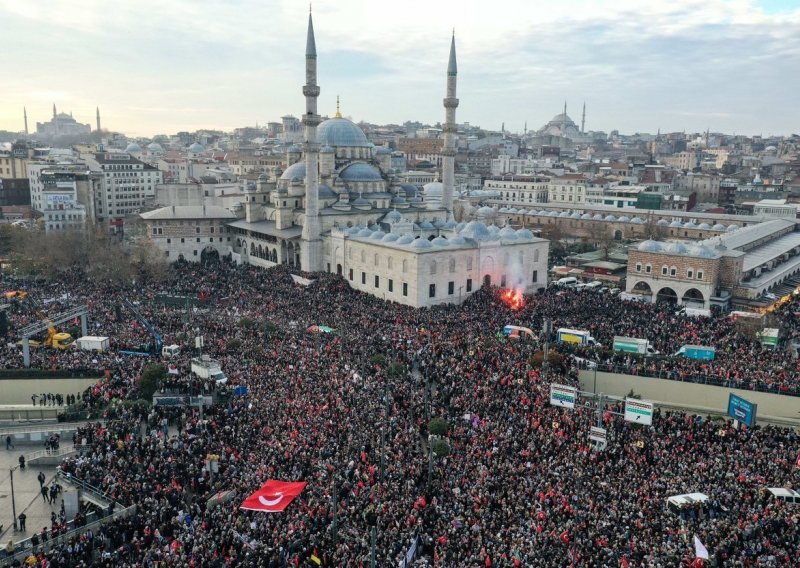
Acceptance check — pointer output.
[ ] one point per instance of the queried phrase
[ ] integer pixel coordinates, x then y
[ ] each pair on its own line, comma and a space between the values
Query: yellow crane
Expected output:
54, 339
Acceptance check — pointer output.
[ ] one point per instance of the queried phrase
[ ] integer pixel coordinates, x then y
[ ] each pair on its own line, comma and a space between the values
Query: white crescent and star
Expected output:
270, 502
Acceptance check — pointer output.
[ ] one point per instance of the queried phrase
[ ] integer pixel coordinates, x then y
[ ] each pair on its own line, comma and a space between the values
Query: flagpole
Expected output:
335, 514
374, 539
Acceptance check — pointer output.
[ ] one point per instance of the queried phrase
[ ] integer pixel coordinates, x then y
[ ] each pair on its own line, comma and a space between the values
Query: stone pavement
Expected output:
27, 494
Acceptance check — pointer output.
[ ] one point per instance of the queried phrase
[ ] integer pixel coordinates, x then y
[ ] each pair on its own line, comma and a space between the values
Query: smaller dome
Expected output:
433, 189
610, 218
503, 210
197, 148
325, 192
718, 227
524, 234
575, 215
440, 242
586, 216
485, 211
597, 217
704, 226
460, 227
377, 235
295, 171
676, 224
662, 223
426, 226
493, 229
374, 227
458, 240
365, 232
649, 246
475, 230
450, 225
405, 240
133, 148
732, 228
542, 213
361, 203
420, 244
438, 223
397, 200
676, 248
702, 252
392, 217
564, 214
507, 234
360, 171
637, 221
155, 148
353, 231
690, 225
390, 237
552, 214
383, 150
624, 219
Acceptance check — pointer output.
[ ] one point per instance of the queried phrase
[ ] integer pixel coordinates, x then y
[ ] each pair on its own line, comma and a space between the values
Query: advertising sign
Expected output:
742, 410
597, 434
639, 411
563, 395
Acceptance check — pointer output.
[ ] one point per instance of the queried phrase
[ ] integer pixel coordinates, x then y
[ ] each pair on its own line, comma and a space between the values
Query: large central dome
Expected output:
340, 132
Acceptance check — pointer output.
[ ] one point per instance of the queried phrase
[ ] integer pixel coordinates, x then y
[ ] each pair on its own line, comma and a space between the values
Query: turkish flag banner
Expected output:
274, 496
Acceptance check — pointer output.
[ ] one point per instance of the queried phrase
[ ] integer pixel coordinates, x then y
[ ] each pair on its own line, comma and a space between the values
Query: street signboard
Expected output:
563, 395
639, 411
742, 410
597, 434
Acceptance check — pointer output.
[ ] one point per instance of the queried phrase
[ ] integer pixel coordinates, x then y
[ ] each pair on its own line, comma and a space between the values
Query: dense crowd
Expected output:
347, 413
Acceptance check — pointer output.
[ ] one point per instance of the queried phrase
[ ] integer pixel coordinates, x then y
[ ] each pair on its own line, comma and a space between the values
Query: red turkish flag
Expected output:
274, 496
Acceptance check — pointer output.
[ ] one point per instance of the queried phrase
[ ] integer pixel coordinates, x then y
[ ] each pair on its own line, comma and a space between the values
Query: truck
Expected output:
206, 368
769, 337
700, 352
92, 343
576, 337
633, 345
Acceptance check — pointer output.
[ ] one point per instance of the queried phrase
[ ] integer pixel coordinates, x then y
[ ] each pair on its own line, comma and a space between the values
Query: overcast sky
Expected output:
164, 66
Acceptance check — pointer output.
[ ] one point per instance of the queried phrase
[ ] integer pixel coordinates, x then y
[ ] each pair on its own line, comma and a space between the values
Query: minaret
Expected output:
450, 132
25, 115
54, 110
311, 249
98, 119
583, 119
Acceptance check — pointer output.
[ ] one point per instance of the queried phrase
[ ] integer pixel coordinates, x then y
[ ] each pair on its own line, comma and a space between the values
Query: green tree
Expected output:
151, 377
438, 426
440, 447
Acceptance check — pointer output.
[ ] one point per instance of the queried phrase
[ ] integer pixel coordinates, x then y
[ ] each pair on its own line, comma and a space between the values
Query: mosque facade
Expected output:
340, 207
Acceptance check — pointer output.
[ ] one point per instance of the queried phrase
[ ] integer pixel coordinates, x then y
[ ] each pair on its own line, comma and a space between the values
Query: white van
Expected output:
677, 502
170, 350
568, 282
594, 285
785, 495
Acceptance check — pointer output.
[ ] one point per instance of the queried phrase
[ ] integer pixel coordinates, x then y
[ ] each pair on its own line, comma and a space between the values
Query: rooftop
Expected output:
188, 212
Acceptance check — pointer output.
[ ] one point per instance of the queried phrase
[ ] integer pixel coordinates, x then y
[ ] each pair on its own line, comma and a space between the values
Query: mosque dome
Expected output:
702, 252
420, 244
575, 215
690, 225
364, 232
450, 225
390, 237
485, 211
197, 148
507, 234
704, 226
382, 150
340, 132
610, 218
676, 248
296, 170
719, 227
353, 231
361, 203
637, 221
649, 246
597, 217
564, 214
392, 217
662, 223
524, 234
426, 226
360, 171
155, 148
460, 226
676, 224
405, 240
732, 228
438, 223
440, 242
458, 240
325, 192
377, 235
133, 148
586, 216
475, 230
624, 219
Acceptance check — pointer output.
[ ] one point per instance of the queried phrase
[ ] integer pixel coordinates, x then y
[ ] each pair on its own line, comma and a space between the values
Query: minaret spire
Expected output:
98, 119
54, 110
583, 118
25, 116
450, 132
311, 248
338, 113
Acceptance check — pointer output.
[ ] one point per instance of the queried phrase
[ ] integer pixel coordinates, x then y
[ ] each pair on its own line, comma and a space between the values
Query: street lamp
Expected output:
13, 499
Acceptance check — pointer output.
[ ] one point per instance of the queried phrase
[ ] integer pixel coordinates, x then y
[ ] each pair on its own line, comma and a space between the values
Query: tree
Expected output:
438, 427
601, 233
441, 448
150, 378
654, 231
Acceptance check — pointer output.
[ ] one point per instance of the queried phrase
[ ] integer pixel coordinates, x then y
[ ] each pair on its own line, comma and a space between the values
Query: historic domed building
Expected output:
338, 207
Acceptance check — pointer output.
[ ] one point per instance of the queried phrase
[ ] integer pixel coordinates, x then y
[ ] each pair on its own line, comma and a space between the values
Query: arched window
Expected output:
389, 262
363, 256
469, 263
433, 267
536, 255
375, 259
452, 265
673, 271
405, 265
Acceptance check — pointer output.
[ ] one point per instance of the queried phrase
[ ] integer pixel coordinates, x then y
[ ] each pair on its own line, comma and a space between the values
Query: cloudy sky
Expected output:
163, 66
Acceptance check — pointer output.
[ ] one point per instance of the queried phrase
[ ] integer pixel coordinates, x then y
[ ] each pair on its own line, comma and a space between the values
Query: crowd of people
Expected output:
348, 413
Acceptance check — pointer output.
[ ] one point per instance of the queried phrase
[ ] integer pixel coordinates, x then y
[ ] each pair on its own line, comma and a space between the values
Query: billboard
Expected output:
639, 411
563, 395
742, 410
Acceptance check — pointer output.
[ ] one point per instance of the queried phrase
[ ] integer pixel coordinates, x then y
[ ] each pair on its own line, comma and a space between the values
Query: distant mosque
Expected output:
62, 124
561, 131
340, 207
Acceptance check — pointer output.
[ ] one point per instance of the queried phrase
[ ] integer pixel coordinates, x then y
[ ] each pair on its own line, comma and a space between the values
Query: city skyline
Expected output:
730, 66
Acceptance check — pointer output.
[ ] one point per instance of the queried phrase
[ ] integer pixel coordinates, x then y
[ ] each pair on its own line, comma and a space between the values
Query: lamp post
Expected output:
13, 499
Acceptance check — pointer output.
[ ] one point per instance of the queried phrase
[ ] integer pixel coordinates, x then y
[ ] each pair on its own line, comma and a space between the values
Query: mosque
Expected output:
339, 207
